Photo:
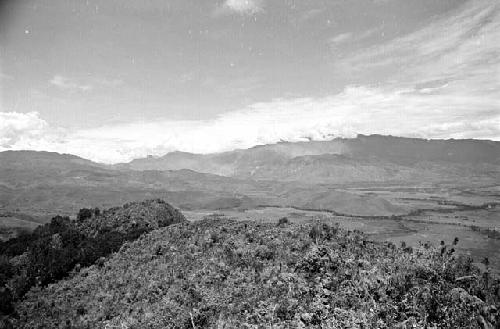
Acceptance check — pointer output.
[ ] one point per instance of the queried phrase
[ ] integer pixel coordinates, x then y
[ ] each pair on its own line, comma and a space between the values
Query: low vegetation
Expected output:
234, 274
55, 249
492, 233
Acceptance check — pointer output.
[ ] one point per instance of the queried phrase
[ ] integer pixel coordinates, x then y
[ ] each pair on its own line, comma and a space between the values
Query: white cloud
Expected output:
310, 14
68, 84
242, 7
340, 38
447, 86
461, 47
109, 82
350, 38
355, 110
20, 128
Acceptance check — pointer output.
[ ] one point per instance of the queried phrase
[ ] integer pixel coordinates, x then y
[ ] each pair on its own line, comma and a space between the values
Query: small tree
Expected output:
84, 214
283, 221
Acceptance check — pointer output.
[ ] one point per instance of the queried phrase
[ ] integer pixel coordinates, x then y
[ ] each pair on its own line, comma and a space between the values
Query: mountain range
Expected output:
303, 175
341, 160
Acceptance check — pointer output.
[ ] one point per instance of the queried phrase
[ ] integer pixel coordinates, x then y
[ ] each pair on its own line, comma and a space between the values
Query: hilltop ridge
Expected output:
228, 274
53, 250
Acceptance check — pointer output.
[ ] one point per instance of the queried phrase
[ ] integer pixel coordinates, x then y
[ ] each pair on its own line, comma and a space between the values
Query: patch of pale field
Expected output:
472, 243
414, 230
426, 196
10, 227
10, 221
483, 218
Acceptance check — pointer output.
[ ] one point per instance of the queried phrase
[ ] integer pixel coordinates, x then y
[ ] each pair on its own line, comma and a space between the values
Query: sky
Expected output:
114, 80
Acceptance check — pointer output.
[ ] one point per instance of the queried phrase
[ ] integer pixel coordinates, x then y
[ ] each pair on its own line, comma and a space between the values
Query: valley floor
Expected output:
435, 214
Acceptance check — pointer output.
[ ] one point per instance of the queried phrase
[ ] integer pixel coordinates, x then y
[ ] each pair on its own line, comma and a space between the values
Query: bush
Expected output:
84, 214
6, 300
6, 270
283, 221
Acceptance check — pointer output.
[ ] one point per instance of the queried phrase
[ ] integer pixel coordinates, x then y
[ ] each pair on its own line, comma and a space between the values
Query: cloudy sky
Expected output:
113, 80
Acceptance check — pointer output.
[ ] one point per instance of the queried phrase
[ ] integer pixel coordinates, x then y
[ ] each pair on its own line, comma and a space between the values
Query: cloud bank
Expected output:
405, 112
64, 83
446, 85
242, 7
462, 49
20, 128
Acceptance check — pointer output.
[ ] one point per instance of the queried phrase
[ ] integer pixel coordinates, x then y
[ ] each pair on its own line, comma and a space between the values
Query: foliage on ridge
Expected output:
53, 250
229, 274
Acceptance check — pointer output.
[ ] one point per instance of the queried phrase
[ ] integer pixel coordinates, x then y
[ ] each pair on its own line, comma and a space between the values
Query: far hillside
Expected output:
42, 184
343, 160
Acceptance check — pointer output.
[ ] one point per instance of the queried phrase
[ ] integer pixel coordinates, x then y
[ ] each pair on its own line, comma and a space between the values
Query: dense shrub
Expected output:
53, 250
228, 274
84, 214
6, 306
283, 221
16, 246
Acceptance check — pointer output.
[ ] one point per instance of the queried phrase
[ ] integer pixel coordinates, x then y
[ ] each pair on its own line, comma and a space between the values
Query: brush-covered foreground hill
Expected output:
372, 158
134, 216
53, 250
219, 273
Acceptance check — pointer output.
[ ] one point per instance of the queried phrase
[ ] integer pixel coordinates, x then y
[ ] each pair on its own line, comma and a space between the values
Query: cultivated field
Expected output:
435, 214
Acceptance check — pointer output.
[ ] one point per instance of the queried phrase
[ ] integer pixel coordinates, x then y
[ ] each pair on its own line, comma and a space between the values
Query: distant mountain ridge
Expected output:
66, 183
340, 160
303, 175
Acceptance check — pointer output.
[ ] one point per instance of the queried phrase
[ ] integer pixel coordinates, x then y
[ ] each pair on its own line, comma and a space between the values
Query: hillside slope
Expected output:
220, 273
56, 248
135, 216
64, 184
372, 158
37, 183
